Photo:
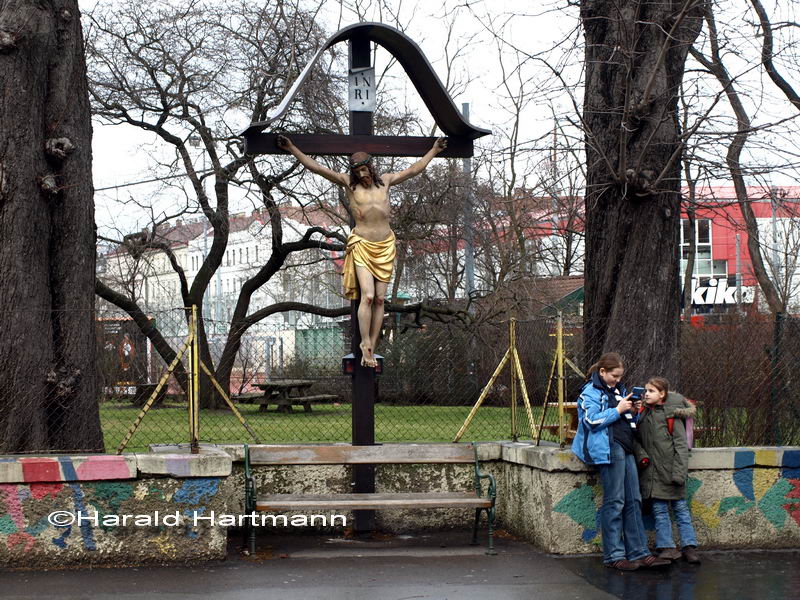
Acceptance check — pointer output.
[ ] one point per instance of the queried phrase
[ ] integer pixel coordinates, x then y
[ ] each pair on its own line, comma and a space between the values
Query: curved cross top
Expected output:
422, 75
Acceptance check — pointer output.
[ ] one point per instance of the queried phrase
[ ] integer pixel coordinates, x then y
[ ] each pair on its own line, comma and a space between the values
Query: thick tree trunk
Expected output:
48, 387
635, 56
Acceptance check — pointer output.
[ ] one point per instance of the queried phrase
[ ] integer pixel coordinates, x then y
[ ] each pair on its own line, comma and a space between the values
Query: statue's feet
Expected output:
366, 354
372, 354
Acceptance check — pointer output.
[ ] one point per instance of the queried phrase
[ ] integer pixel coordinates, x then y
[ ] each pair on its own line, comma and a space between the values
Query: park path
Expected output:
439, 566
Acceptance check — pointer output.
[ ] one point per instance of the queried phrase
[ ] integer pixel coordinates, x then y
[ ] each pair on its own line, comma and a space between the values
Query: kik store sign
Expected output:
718, 292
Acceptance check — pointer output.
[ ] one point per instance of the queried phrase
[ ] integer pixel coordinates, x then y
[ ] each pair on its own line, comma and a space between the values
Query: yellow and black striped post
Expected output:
562, 434
154, 395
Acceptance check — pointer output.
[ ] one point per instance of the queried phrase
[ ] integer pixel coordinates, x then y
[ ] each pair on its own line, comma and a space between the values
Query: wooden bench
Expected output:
282, 402
369, 455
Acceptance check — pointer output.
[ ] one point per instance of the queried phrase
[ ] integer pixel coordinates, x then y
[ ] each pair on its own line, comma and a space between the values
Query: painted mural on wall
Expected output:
41, 511
773, 492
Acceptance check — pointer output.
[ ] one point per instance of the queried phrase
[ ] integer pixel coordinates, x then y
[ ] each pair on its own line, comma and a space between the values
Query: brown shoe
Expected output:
623, 565
691, 555
652, 562
669, 553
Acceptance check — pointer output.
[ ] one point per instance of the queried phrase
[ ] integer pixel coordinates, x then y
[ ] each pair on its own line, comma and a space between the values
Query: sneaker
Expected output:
623, 565
691, 555
652, 562
669, 553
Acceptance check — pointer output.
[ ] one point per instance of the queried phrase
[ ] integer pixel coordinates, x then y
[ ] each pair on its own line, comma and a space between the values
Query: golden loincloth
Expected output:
377, 257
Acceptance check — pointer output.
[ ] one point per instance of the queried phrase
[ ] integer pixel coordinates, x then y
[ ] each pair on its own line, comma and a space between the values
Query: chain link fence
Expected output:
432, 377
741, 371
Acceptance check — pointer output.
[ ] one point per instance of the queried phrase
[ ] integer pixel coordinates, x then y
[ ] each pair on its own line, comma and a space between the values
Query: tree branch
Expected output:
767, 55
146, 326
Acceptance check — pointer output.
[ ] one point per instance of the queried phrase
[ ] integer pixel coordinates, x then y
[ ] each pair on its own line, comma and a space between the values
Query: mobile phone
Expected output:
637, 392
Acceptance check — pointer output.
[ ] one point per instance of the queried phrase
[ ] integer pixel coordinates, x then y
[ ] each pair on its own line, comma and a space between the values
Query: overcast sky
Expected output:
531, 31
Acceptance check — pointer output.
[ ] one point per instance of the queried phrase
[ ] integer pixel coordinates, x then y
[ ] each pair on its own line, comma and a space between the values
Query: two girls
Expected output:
605, 438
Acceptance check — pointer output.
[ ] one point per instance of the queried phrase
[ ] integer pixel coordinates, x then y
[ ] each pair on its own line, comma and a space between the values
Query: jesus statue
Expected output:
369, 258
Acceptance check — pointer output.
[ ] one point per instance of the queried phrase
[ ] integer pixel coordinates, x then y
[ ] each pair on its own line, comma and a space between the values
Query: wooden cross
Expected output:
460, 134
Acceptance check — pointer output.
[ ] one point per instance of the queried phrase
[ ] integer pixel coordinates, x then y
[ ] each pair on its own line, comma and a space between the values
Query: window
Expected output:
704, 265
703, 231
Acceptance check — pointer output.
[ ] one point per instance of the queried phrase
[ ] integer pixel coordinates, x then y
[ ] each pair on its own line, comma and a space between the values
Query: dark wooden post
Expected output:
363, 409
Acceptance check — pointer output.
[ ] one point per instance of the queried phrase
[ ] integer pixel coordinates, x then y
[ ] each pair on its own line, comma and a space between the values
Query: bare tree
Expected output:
48, 386
174, 69
781, 249
561, 179
635, 61
733, 158
768, 54
428, 225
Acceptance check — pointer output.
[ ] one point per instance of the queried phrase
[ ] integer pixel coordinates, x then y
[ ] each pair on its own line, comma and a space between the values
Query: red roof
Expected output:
754, 192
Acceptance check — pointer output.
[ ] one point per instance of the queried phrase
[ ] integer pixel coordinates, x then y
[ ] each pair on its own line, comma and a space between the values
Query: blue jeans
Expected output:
621, 513
683, 518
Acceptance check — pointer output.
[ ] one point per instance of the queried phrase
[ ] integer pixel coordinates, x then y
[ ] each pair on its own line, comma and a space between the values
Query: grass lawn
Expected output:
328, 423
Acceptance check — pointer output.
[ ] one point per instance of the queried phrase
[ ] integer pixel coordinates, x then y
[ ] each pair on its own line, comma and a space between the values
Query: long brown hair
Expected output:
608, 362
357, 159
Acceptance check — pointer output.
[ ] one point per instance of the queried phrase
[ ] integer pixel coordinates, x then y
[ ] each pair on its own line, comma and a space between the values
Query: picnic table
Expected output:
285, 393
571, 419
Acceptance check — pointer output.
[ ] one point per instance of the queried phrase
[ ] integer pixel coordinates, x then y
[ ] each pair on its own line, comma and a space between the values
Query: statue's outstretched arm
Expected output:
419, 166
284, 143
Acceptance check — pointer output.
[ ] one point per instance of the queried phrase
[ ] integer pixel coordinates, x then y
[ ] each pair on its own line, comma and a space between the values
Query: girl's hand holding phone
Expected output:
625, 404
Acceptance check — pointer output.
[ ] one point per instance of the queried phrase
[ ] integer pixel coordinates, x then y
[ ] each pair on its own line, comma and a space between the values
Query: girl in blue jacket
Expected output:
605, 439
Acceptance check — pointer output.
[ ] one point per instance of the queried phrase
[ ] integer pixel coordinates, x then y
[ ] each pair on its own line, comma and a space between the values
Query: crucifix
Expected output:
459, 144
370, 253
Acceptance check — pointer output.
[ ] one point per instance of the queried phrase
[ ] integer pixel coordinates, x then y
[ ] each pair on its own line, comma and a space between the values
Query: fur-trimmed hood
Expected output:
678, 407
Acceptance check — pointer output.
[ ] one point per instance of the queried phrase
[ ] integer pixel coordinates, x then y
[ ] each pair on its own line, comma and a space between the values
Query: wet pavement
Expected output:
729, 575
426, 567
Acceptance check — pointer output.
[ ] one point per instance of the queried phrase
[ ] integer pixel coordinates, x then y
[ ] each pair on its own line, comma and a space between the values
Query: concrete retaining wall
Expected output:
740, 498
58, 511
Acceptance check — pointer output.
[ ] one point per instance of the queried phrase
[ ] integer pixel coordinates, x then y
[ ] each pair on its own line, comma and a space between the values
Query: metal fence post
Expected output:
512, 344
560, 375
776, 391
194, 387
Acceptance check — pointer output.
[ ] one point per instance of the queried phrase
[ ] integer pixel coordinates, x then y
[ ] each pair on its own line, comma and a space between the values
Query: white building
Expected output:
308, 276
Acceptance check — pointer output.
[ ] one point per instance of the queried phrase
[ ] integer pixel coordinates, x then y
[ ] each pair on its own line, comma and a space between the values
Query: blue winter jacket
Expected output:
592, 443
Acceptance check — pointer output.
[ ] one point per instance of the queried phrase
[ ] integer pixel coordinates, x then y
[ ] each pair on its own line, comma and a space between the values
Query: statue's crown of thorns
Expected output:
361, 163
